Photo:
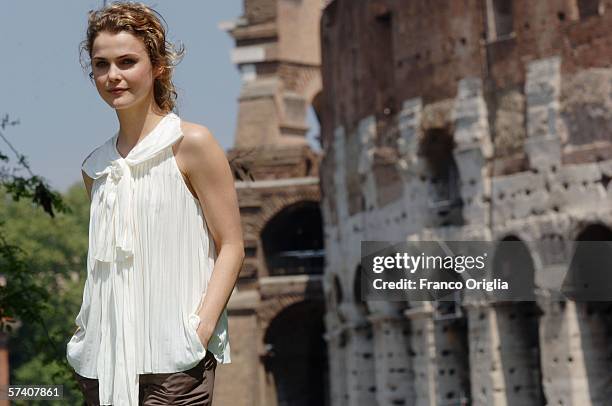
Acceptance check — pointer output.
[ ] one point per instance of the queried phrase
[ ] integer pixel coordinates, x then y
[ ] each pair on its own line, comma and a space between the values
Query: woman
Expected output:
165, 240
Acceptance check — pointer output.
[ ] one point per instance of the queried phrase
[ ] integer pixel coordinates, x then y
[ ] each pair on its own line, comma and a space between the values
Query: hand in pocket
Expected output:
204, 333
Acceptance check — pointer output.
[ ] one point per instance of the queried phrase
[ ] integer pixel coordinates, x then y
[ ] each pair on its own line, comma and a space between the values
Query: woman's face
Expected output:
122, 69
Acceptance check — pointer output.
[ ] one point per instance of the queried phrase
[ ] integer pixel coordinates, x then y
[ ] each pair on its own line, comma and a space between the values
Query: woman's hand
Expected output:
204, 334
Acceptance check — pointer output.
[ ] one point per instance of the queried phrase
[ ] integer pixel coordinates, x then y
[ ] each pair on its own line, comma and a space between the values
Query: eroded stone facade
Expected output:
466, 120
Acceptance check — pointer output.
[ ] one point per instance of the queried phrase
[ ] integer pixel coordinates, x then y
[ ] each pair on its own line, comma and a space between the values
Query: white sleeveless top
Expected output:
149, 261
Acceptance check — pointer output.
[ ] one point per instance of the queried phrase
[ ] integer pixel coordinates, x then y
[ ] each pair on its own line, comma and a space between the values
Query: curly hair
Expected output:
143, 22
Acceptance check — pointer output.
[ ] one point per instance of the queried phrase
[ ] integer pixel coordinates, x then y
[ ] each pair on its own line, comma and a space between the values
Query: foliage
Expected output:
42, 255
38, 350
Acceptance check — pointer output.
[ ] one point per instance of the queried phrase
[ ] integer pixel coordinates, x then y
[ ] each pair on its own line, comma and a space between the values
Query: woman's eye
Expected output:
102, 64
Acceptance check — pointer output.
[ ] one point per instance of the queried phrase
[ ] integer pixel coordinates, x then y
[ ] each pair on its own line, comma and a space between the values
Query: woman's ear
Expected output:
158, 71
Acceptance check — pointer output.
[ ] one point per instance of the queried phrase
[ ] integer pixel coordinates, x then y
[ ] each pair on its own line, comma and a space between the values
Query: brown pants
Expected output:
191, 387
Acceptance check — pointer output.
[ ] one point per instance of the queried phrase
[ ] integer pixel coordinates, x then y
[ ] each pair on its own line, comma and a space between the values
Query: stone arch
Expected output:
510, 254
292, 240
532, 241
274, 204
296, 354
271, 307
517, 320
589, 230
585, 279
597, 231
591, 268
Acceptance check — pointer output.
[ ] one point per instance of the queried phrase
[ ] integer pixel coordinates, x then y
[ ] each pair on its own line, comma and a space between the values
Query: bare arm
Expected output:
88, 182
211, 178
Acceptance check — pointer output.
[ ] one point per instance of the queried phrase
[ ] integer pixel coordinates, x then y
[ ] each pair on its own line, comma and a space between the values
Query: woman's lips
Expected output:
118, 91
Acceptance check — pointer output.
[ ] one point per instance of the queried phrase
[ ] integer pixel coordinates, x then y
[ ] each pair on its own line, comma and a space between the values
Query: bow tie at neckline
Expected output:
144, 142
111, 226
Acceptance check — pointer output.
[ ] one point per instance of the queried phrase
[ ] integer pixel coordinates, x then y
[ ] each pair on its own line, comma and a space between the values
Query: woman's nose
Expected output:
113, 72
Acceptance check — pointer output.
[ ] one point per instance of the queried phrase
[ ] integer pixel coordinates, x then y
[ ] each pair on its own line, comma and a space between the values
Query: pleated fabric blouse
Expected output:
149, 262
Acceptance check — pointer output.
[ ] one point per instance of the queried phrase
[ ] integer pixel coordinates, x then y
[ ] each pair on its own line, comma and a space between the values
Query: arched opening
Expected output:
517, 320
296, 357
589, 275
293, 240
512, 263
588, 283
445, 200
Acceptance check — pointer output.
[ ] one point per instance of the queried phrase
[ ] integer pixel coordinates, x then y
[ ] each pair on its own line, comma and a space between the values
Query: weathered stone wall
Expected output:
278, 55
529, 116
298, 26
260, 11
243, 333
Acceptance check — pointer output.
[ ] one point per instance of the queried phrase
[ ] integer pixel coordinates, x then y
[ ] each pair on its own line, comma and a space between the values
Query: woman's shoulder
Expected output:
198, 146
197, 139
194, 132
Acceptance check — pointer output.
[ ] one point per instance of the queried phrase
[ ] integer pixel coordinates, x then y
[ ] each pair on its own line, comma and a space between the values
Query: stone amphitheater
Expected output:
484, 120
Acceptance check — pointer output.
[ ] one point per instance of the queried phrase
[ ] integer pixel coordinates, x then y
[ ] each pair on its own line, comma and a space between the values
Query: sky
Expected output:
62, 117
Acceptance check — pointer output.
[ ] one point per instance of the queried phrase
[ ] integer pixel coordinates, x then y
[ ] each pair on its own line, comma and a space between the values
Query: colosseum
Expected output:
444, 120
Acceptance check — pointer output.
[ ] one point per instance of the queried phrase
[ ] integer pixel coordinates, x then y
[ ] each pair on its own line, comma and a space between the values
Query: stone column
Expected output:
504, 353
473, 148
564, 371
486, 373
542, 90
422, 350
361, 378
451, 366
246, 341
336, 354
394, 372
